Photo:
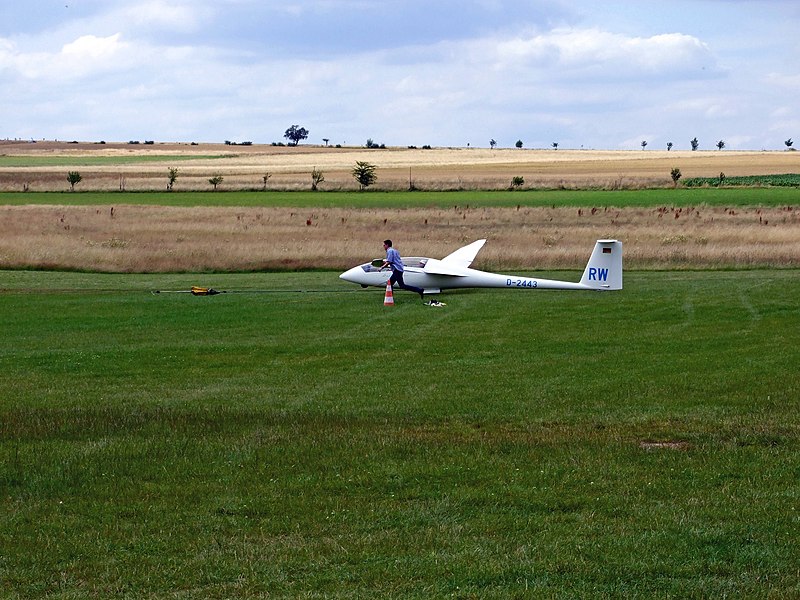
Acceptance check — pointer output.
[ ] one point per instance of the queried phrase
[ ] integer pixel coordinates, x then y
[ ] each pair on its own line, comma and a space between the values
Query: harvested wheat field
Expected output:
43, 166
129, 238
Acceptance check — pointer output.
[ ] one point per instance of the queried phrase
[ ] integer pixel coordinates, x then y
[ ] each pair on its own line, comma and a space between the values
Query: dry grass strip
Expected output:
129, 238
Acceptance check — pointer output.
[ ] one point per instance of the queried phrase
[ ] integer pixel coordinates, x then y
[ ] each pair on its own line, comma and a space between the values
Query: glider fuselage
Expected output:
603, 272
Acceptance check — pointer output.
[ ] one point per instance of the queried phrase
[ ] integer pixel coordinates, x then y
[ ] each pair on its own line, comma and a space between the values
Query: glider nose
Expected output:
354, 275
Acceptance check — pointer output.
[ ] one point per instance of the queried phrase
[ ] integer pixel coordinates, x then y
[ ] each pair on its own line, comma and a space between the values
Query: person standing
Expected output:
394, 261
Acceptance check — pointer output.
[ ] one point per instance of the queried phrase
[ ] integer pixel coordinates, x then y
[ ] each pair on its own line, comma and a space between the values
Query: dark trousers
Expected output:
397, 279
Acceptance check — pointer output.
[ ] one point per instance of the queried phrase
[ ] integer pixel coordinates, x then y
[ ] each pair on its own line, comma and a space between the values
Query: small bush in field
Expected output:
73, 177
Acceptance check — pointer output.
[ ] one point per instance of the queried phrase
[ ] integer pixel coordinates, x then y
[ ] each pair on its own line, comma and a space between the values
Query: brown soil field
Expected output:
129, 238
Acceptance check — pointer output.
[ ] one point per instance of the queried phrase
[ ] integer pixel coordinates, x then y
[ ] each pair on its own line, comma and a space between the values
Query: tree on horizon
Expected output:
295, 133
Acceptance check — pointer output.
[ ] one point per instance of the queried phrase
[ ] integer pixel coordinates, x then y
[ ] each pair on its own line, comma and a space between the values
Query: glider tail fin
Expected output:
604, 269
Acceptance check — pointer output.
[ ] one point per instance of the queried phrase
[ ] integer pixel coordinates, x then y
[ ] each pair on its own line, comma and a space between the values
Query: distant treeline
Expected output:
785, 180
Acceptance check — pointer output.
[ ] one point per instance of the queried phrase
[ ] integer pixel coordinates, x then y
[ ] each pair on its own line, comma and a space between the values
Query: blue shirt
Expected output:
394, 260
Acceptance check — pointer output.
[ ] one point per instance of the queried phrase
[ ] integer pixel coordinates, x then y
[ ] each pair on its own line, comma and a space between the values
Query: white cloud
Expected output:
92, 48
788, 82
142, 18
86, 56
571, 52
707, 107
785, 120
180, 16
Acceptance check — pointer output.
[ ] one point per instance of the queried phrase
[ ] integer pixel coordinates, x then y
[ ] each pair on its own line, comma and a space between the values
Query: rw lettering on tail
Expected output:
596, 274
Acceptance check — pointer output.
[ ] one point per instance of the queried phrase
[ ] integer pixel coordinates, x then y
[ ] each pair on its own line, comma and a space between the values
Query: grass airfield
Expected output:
298, 438
295, 438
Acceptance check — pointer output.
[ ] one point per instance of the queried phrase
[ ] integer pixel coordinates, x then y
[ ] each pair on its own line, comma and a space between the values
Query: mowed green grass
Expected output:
648, 198
302, 440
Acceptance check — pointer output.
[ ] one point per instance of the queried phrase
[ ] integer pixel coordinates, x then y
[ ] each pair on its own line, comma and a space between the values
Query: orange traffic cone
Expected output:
388, 299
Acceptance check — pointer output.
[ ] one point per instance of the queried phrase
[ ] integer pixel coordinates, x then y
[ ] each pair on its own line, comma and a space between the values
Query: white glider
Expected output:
603, 272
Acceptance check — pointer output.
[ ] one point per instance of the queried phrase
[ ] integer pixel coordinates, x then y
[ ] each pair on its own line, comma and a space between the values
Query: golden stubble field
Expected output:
156, 239
289, 168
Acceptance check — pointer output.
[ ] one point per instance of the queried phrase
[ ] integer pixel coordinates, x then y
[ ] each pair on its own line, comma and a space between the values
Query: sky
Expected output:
578, 73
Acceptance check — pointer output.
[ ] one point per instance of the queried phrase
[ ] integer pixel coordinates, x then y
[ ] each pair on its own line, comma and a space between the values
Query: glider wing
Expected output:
463, 257
440, 267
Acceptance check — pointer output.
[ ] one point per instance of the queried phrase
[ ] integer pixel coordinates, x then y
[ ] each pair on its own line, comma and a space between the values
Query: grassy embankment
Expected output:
638, 444
681, 197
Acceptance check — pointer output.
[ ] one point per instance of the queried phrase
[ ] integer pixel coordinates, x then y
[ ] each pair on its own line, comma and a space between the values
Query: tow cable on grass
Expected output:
196, 290
204, 291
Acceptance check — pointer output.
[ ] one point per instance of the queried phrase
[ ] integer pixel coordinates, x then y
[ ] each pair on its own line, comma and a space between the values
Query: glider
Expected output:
603, 272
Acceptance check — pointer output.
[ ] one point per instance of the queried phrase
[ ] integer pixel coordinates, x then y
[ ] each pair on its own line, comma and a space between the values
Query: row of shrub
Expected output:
785, 180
